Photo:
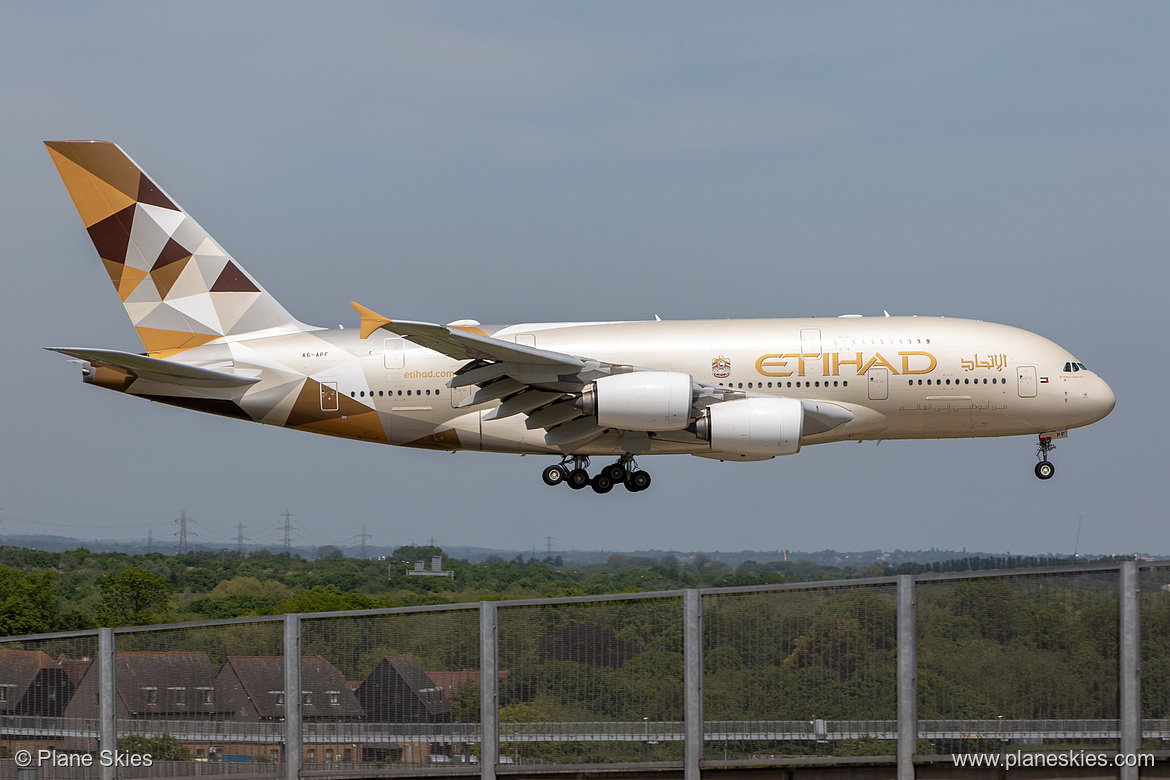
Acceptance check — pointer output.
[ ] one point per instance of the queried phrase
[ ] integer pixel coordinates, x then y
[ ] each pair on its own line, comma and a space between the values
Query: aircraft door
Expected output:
1026, 376
329, 400
395, 352
879, 384
810, 342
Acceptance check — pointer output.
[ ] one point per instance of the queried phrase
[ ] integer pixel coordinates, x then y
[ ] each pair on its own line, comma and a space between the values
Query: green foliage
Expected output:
132, 597
163, 747
409, 554
328, 598
27, 602
235, 606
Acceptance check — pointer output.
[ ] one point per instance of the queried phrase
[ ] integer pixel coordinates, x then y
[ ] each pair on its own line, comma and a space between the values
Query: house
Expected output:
32, 683
150, 684
451, 682
253, 689
399, 691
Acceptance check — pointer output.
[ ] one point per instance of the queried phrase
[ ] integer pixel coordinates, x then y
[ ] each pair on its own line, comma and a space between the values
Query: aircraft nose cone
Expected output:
1108, 400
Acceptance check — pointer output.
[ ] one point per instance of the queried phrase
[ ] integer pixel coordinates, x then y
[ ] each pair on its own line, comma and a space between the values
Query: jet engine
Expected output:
640, 401
753, 426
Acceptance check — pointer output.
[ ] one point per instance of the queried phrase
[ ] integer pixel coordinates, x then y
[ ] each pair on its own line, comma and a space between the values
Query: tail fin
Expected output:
180, 288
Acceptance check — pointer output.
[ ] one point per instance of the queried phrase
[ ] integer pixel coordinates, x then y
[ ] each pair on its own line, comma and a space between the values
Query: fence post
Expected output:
489, 690
1131, 675
907, 677
292, 697
107, 699
692, 683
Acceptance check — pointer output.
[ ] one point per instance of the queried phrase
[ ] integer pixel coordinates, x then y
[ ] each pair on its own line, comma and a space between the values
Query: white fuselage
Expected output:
901, 377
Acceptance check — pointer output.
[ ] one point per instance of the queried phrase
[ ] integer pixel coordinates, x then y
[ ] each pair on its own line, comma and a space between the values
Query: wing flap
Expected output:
523, 402
497, 389
552, 415
574, 434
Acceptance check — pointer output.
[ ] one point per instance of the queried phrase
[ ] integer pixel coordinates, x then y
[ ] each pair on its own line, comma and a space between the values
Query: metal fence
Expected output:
906, 669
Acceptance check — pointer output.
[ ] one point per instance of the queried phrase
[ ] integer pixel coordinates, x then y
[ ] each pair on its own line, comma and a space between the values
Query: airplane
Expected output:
733, 390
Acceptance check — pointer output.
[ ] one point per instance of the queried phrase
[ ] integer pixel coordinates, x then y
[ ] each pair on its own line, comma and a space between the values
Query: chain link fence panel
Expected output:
391, 689
38, 680
1004, 659
591, 681
800, 672
182, 699
1154, 583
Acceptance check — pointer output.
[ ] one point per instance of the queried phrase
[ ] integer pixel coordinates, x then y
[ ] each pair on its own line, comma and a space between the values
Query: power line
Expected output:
365, 536
240, 539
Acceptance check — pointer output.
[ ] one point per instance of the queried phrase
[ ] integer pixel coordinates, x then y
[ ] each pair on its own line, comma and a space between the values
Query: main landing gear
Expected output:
572, 471
1044, 469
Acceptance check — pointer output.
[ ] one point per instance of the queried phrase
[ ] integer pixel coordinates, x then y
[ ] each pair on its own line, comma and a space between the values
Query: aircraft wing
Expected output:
547, 386
462, 344
166, 371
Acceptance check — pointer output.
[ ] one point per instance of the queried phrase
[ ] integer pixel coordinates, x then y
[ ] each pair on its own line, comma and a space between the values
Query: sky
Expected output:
527, 162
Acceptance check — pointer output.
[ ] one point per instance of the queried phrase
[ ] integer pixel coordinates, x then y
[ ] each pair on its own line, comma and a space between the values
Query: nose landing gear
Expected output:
572, 471
1044, 469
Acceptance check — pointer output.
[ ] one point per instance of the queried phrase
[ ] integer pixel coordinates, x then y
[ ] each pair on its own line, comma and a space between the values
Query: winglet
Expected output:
371, 320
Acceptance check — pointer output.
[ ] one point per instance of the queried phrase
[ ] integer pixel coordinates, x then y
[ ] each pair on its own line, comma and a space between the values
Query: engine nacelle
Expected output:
753, 426
641, 401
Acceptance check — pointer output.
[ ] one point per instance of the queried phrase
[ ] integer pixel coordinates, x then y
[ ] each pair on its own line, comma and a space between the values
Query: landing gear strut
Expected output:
1044, 469
573, 471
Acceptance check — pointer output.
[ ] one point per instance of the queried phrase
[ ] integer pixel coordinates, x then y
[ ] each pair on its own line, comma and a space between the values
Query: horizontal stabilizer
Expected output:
157, 370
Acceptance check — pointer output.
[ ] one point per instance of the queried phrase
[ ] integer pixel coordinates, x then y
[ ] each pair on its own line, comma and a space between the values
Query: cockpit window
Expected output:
1070, 368
1082, 365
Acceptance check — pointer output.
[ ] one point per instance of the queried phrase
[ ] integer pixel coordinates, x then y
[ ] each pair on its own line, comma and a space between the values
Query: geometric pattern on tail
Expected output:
179, 287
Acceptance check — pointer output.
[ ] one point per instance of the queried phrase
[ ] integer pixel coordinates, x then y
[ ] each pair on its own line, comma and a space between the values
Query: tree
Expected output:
329, 598
410, 553
27, 602
330, 552
132, 597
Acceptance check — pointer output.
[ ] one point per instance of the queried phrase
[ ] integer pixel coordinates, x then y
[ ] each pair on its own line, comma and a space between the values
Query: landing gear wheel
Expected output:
602, 483
638, 481
616, 472
578, 478
554, 475
1044, 469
